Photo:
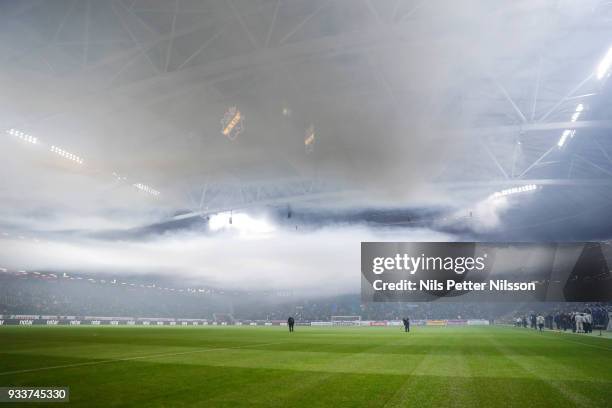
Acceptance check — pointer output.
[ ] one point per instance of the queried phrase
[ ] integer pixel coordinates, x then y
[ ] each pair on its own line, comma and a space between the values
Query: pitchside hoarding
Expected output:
471, 272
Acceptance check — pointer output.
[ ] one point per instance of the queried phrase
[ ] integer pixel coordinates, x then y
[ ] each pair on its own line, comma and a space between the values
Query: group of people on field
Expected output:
577, 322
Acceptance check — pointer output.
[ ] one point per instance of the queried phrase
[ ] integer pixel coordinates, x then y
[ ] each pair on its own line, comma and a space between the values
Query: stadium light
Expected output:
569, 133
604, 66
577, 112
514, 190
23, 136
233, 123
564, 136
147, 189
309, 139
66, 155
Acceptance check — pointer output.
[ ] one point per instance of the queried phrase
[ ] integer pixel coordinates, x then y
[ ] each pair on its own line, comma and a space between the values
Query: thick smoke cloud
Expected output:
385, 111
322, 262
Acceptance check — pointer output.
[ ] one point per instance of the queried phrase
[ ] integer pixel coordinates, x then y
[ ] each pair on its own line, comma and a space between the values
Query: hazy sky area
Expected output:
421, 111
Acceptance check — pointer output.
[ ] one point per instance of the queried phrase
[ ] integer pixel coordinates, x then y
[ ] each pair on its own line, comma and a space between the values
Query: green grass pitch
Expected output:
313, 367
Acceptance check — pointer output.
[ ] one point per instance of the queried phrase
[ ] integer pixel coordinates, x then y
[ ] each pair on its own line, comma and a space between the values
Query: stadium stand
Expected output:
22, 294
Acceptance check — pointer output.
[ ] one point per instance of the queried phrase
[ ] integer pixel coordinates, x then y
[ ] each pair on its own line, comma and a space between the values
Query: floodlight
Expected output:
604, 66
232, 122
309, 139
66, 154
576, 114
23, 136
145, 188
569, 133
566, 133
514, 190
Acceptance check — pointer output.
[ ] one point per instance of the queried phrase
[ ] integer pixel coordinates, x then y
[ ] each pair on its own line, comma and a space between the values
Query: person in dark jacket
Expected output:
290, 323
406, 322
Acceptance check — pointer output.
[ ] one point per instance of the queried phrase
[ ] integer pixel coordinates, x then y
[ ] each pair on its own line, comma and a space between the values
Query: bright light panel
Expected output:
564, 136
23, 136
232, 123
569, 133
309, 138
604, 66
576, 114
146, 189
66, 155
514, 190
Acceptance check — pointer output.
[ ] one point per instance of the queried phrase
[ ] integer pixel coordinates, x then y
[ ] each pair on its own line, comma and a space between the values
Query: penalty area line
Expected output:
118, 360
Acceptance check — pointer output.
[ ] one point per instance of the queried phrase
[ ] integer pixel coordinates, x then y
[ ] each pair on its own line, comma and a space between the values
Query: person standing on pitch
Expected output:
588, 322
406, 322
579, 319
540, 319
290, 323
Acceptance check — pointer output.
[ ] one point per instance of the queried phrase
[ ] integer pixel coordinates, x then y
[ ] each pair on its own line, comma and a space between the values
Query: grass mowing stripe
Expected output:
579, 342
577, 399
399, 398
117, 360
550, 333
325, 377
